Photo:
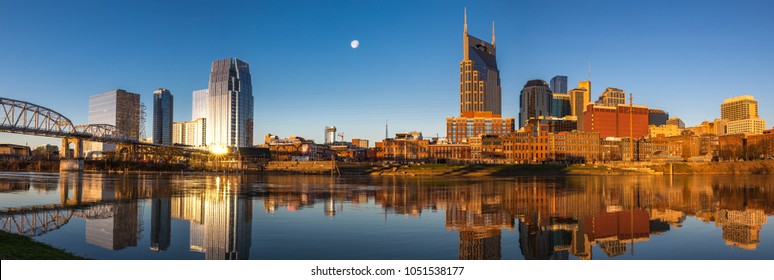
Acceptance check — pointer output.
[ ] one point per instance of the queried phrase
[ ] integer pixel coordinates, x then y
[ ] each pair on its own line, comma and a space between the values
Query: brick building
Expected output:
615, 121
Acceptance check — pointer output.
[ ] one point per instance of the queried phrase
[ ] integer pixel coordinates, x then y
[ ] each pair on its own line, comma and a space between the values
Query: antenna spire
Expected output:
465, 19
386, 130
465, 35
493, 34
589, 71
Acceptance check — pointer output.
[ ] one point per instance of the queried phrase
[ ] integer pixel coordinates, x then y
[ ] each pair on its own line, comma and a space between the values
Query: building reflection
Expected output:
556, 218
119, 224
161, 217
220, 219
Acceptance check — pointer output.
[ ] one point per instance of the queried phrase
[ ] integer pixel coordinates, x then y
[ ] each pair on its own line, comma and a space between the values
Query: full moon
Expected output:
354, 44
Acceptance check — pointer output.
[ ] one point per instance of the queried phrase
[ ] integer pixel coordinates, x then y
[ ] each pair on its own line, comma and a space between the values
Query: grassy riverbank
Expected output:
742, 167
17, 247
498, 170
645, 168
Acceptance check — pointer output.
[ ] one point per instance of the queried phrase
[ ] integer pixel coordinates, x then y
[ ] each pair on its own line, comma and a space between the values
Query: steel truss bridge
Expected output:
22, 117
38, 220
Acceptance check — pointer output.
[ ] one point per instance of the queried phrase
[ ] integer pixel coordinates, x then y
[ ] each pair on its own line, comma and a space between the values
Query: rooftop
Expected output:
739, 98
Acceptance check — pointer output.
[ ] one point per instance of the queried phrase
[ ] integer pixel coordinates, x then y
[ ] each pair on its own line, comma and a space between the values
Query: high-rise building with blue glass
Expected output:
559, 84
162, 116
230, 104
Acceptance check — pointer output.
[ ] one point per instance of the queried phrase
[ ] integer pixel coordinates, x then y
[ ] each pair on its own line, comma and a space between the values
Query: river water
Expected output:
174, 216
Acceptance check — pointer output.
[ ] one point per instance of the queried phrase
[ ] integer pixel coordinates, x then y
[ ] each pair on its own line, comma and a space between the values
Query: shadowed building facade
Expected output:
535, 101
559, 84
657, 117
561, 105
162, 116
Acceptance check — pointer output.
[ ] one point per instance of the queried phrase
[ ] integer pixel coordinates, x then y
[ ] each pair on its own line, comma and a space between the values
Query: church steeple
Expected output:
465, 47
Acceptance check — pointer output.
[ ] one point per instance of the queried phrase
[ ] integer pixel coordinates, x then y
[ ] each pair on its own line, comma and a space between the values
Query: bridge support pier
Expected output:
71, 165
71, 162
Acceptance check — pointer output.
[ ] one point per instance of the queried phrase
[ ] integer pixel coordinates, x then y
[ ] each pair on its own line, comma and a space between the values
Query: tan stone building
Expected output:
409, 146
741, 112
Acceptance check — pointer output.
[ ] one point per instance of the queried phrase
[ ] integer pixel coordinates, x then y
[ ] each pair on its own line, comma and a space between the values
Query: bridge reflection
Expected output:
555, 218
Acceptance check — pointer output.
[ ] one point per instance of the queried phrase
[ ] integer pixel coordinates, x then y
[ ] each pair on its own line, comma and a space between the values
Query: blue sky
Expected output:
681, 56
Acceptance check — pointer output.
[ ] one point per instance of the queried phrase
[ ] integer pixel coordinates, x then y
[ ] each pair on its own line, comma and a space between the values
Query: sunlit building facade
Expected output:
676, 122
230, 104
119, 108
750, 126
199, 105
579, 97
741, 114
473, 124
191, 133
480, 92
479, 76
611, 97
739, 108
616, 121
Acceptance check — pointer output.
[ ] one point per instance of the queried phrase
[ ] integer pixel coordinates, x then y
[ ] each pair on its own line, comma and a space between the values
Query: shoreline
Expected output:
763, 167
18, 247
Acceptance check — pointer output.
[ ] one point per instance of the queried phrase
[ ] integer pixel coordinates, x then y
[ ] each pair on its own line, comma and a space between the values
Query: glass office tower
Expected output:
199, 108
559, 84
119, 108
230, 104
162, 116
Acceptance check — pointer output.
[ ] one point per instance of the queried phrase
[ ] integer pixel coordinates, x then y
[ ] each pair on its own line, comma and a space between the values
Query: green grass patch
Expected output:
18, 247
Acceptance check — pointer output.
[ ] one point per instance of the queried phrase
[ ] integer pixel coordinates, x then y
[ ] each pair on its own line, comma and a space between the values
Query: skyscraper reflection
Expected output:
220, 219
119, 227
554, 218
161, 218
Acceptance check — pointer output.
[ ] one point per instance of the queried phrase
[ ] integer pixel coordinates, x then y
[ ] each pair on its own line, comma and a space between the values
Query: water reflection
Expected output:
555, 218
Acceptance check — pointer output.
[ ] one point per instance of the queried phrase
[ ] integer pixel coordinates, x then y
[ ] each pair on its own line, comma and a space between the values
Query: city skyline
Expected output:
308, 81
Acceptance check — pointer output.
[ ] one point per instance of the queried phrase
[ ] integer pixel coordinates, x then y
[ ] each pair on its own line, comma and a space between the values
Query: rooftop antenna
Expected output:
589, 71
386, 130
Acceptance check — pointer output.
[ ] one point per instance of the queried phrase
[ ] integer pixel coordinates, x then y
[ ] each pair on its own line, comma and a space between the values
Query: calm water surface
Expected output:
316, 217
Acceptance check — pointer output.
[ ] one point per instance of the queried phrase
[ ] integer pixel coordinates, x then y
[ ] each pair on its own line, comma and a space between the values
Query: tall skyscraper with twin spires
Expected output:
480, 92
479, 77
